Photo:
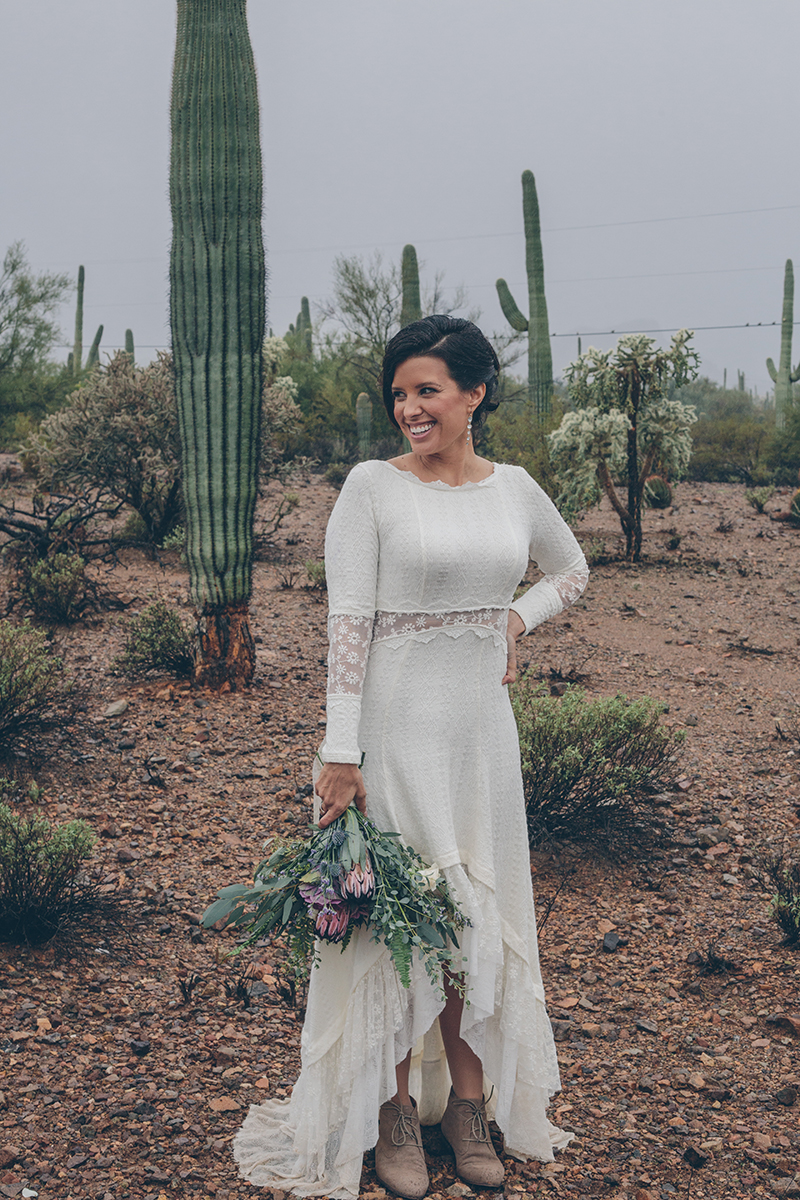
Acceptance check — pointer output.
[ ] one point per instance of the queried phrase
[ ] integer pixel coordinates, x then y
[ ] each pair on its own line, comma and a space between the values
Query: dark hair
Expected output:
468, 355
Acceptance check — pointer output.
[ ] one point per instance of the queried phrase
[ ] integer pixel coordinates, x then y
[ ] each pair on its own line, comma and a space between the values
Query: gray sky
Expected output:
393, 121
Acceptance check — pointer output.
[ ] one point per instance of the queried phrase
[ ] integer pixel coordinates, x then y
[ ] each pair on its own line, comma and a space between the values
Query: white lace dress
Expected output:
420, 580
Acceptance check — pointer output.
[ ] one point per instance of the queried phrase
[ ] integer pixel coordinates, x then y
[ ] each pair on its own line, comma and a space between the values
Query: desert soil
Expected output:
130, 1058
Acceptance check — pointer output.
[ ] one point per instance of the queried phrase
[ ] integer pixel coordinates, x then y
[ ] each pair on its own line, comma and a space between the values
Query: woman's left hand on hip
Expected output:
516, 628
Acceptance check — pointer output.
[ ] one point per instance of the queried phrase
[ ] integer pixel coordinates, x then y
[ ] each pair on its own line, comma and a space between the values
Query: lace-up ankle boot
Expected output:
399, 1157
466, 1128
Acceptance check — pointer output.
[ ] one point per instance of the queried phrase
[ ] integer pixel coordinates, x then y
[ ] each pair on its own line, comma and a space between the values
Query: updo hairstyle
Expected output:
468, 356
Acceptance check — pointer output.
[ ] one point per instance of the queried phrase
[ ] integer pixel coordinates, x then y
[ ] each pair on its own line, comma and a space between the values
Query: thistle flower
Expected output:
359, 881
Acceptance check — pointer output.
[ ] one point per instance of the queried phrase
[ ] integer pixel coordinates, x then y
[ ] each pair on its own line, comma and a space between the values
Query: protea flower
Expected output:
359, 881
332, 921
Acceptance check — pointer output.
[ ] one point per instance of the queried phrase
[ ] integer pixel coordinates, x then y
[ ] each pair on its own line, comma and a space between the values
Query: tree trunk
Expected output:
224, 650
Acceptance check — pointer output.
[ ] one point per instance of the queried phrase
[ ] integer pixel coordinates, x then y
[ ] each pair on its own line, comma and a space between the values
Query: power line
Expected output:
670, 329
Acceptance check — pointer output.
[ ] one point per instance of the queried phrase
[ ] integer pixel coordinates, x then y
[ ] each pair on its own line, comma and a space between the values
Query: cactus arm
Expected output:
540, 354
773, 374
509, 307
795, 374
93, 356
411, 308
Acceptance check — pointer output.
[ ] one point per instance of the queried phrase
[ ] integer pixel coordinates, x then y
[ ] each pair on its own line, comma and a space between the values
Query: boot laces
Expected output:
478, 1129
405, 1130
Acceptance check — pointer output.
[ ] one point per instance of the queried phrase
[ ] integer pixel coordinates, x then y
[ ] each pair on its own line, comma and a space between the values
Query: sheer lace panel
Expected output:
395, 624
349, 638
569, 587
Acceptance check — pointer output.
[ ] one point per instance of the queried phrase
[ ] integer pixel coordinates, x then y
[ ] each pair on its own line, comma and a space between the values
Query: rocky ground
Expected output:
130, 1056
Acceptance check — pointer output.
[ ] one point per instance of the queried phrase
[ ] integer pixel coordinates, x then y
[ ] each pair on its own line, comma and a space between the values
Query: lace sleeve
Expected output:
555, 549
351, 565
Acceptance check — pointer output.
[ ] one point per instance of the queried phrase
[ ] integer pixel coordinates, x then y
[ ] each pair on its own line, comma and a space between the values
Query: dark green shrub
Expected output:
43, 886
794, 508
157, 640
336, 473
782, 872
315, 570
31, 679
591, 767
55, 587
657, 492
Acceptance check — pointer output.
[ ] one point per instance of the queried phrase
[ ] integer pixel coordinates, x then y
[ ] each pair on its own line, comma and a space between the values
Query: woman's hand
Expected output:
516, 628
338, 785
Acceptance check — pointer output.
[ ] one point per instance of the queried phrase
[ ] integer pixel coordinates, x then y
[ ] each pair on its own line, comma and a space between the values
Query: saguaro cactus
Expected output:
77, 348
364, 423
217, 316
540, 356
304, 329
784, 377
129, 347
411, 309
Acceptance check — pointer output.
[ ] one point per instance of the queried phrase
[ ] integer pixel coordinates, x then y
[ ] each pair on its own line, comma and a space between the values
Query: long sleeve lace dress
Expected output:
421, 577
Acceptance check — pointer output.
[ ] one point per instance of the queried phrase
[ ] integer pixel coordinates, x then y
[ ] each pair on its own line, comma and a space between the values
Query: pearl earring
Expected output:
469, 428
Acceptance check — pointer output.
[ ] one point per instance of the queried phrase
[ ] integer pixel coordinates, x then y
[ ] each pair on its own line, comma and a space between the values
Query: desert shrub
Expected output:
782, 872
56, 587
133, 533
336, 473
281, 423
315, 570
175, 539
31, 679
591, 767
794, 508
43, 884
657, 492
157, 640
758, 498
119, 432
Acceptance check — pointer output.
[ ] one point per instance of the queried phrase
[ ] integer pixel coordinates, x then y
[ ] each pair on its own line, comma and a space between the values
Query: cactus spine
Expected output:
784, 377
93, 357
217, 317
540, 357
364, 422
411, 308
77, 348
129, 347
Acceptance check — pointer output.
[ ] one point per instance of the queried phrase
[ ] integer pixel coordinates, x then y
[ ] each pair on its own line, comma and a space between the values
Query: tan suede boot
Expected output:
399, 1157
466, 1128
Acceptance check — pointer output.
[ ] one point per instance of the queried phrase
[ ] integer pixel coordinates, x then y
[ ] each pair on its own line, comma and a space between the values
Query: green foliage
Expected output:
515, 433
794, 508
31, 680
364, 422
156, 640
336, 473
217, 293
175, 539
783, 454
55, 587
624, 425
591, 767
657, 492
315, 570
119, 433
411, 303
781, 871
43, 886
282, 423
784, 376
540, 356
29, 384
758, 498
93, 357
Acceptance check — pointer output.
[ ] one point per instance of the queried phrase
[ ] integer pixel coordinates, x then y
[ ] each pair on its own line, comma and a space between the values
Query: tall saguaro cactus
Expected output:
93, 357
77, 347
540, 356
130, 349
784, 377
304, 329
411, 308
217, 317
364, 424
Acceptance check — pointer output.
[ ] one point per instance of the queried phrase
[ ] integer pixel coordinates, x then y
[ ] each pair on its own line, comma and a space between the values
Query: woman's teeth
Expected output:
418, 430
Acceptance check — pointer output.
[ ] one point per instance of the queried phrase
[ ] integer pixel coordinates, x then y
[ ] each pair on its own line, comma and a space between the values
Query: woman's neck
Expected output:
454, 468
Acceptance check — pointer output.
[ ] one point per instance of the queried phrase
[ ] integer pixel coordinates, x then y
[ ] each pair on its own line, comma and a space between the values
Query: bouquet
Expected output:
342, 877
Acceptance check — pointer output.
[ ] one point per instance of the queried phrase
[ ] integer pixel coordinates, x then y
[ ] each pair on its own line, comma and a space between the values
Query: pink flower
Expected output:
332, 921
359, 881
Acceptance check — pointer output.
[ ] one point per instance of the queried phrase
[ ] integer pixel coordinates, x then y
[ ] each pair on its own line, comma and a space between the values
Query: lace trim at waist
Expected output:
394, 624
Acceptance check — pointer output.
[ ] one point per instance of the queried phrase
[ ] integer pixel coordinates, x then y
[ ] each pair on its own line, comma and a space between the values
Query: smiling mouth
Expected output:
420, 430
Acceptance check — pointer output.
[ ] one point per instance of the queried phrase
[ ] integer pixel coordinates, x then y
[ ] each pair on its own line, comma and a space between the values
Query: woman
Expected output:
423, 555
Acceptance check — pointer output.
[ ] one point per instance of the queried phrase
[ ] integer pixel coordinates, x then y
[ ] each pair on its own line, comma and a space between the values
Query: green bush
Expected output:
794, 508
42, 881
157, 640
315, 570
591, 767
31, 679
336, 473
782, 872
55, 587
757, 498
175, 539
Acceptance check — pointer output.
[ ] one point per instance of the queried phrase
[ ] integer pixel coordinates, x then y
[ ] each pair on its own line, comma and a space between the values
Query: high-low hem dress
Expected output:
421, 577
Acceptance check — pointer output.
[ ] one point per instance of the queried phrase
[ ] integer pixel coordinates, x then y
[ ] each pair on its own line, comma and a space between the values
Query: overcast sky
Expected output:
662, 134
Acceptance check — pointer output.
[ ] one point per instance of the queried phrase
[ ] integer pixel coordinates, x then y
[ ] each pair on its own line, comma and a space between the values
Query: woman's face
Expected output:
430, 407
